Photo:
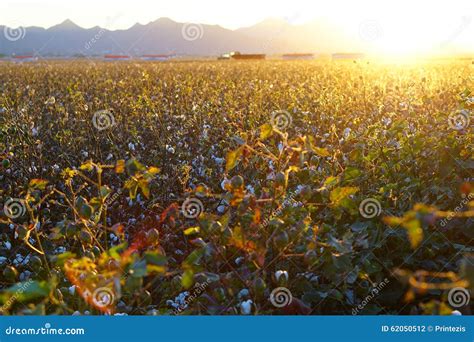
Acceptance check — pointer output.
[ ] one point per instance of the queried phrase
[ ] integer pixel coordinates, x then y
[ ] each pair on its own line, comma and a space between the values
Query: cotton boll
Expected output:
246, 307
279, 274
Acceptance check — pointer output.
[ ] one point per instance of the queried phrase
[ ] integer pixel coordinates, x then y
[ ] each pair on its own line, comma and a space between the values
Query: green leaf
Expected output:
351, 173
187, 280
156, 258
104, 191
139, 269
322, 152
27, 291
133, 166
330, 181
83, 208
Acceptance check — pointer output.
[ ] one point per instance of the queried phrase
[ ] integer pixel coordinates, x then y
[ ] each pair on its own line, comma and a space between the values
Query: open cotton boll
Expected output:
246, 307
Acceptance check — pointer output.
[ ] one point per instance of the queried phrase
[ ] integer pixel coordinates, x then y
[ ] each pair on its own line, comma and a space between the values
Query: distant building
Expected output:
116, 57
24, 58
348, 56
240, 56
298, 56
162, 57
224, 56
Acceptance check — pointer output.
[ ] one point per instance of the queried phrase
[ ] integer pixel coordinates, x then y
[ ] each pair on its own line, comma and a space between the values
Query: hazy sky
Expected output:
410, 23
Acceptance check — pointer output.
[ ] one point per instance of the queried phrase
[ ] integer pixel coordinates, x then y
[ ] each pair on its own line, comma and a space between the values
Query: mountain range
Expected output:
165, 36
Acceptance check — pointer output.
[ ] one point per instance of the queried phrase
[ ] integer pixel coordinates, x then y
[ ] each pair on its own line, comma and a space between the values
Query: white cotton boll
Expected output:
8, 245
34, 131
170, 149
280, 273
239, 260
110, 156
224, 183
2, 260
246, 307
347, 132
243, 293
72, 290
250, 189
221, 209
387, 121
76, 313
456, 313
280, 147
219, 161
131, 146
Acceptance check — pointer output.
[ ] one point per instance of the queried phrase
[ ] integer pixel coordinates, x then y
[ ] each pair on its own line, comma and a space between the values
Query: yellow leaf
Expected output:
192, 230
153, 170
88, 166
120, 166
143, 184
233, 158
415, 232
266, 131
322, 152
38, 184
339, 194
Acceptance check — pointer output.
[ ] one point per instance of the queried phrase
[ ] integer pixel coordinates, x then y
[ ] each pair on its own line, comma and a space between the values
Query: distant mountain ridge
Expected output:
167, 36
